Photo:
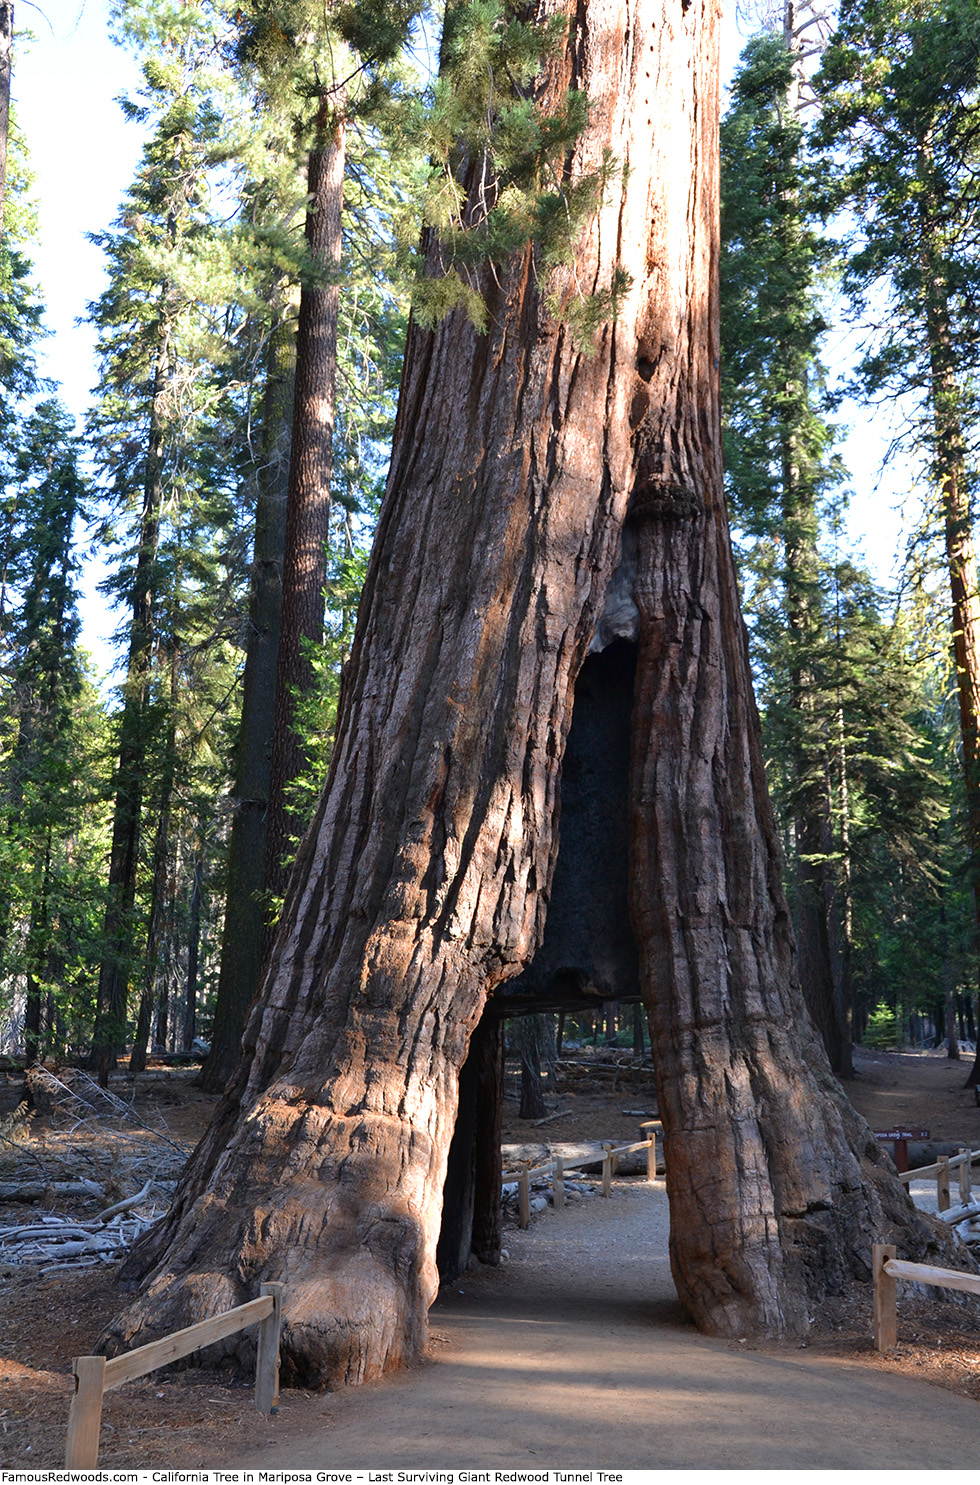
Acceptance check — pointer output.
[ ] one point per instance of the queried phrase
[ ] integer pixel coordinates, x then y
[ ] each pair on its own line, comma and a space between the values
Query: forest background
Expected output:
121, 799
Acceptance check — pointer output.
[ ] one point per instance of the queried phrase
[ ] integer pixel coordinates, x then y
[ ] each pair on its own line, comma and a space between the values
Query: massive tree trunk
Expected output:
949, 461
423, 881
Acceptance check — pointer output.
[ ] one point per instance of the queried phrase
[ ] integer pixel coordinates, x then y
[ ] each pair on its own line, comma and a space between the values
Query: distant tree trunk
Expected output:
609, 1034
246, 911
526, 1033
193, 955
161, 1024
118, 927
949, 986
471, 1194
845, 982
151, 964
423, 881
639, 1038
6, 63
310, 467
158, 880
488, 1043
37, 957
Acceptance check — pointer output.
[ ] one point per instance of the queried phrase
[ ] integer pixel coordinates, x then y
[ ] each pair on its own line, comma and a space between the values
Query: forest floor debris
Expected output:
83, 1172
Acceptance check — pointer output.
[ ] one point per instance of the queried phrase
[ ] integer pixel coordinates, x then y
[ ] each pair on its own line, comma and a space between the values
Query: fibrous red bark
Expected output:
519, 458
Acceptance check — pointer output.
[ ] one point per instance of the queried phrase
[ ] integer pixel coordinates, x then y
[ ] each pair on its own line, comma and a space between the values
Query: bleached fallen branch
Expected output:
64, 1242
127, 1204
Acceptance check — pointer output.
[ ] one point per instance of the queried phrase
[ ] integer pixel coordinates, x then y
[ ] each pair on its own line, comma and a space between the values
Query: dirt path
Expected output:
576, 1353
916, 1088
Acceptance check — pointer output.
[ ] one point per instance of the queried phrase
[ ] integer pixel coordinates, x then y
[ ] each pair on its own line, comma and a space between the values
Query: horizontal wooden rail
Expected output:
887, 1269
133, 1364
95, 1376
926, 1273
558, 1169
966, 1157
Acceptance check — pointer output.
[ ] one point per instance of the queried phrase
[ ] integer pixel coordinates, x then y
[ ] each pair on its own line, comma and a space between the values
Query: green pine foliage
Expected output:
861, 783
899, 88
205, 261
52, 766
499, 180
774, 262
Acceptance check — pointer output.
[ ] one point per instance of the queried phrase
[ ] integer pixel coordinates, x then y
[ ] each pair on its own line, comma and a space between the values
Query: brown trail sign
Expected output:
900, 1143
553, 536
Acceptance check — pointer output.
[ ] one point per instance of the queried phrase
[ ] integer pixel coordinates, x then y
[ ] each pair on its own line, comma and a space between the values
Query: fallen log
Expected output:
960, 1214
38, 1190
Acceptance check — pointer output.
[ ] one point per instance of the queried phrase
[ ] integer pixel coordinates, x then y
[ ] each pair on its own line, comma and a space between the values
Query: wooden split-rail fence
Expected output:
95, 1376
942, 1169
558, 1168
888, 1269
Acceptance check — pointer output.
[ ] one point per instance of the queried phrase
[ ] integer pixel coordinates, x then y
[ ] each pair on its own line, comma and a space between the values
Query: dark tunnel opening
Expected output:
587, 955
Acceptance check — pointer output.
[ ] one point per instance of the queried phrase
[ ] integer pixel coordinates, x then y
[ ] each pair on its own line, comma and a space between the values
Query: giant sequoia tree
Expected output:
544, 497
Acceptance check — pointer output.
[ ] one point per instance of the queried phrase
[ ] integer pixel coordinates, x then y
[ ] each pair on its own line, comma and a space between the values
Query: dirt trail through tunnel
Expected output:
576, 1353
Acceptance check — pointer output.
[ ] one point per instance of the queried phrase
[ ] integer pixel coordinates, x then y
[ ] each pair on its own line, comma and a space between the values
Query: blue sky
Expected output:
84, 154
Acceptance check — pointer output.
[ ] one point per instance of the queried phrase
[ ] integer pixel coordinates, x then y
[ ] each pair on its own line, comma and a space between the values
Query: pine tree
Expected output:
900, 84
52, 820
370, 331
161, 460
327, 70
780, 462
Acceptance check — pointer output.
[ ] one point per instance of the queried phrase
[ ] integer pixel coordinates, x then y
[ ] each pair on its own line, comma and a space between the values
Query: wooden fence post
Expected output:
885, 1297
267, 1354
652, 1158
942, 1184
524, 1198
607, 1168
966, 1176
85, 1415
558, 1183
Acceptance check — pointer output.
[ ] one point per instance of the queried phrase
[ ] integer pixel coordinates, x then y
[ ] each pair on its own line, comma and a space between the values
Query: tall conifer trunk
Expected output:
244, 934
310, 466
422, 882
816, 896
6, 64
118, 927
